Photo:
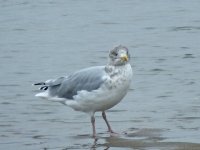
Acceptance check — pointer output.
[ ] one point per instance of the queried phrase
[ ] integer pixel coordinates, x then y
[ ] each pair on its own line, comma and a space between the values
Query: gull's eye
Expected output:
114, 53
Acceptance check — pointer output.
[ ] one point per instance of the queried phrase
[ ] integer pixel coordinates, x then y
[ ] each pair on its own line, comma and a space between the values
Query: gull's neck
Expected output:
112, 68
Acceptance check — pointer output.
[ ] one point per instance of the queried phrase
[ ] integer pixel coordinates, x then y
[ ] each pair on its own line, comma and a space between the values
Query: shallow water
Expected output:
47, 39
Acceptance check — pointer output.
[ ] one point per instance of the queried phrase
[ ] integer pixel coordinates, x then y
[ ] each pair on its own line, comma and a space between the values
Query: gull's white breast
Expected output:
116, 85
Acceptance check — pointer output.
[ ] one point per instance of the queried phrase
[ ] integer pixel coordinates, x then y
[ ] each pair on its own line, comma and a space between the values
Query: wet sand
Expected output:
140, 139
148, 139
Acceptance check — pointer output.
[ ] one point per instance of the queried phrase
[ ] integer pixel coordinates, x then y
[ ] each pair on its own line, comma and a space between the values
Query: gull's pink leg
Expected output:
93, 126
108, 125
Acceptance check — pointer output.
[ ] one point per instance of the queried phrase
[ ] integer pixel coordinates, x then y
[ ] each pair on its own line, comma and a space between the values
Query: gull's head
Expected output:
119, 56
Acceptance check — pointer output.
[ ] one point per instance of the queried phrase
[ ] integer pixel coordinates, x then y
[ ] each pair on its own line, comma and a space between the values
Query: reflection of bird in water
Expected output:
95, 145
93, 89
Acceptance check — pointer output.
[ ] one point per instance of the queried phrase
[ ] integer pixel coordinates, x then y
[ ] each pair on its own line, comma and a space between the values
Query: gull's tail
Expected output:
49, 90
43, 87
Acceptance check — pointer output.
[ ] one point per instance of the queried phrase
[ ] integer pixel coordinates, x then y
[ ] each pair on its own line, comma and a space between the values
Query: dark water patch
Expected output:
181, 10
196, 20
188, 56
40, 137
190, 83
190, 118
185, 47
19, 95
185, 28
186, 119
4, 115
10, 143
21, 73
186, 128
19, 29
46, 112
10, 121
6, 103
163, 96
4, 136
7, 57
26, 113
55, 120
14, 51
6, 125
34, 143
22, 3
150, 28
157, 70
17, 133
34, 131
33, 120
64, 15
196, 107
160, 60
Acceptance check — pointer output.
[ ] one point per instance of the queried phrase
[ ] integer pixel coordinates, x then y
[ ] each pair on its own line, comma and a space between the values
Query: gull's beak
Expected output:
124, 57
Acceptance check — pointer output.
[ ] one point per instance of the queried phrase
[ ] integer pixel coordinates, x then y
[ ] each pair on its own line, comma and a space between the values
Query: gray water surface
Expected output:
44, 39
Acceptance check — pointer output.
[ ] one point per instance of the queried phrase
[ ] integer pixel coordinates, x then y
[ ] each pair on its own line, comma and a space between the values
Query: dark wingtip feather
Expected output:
40, 83
44, 88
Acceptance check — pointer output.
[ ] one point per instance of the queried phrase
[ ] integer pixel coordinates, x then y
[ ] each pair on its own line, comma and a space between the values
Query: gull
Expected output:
93, 89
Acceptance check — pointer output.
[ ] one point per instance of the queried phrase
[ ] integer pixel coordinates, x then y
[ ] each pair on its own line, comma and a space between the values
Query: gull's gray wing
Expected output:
87, 79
